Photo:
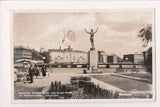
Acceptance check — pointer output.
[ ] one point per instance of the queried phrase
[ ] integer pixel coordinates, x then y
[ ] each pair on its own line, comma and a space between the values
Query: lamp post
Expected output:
126, 61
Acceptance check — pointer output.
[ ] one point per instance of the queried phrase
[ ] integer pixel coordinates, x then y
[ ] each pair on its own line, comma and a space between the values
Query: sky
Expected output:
117, 33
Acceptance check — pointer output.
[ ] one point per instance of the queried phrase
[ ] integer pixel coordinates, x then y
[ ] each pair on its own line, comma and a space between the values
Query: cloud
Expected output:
116, 33
50, 29
124, 21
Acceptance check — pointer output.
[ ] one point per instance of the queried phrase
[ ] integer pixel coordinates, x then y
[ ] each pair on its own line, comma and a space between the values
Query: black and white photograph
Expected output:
83, 54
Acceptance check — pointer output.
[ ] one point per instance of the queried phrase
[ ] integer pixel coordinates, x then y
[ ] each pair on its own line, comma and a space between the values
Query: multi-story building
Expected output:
68, 56
22, 52
137, 58
112, 59
102, 57
36, 55
128, 58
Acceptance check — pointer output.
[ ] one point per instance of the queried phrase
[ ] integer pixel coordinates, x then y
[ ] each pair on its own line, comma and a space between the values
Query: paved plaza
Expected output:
104, 80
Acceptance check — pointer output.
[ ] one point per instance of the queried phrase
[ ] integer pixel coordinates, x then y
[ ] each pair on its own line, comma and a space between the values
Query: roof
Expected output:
136, 53
23, 60
102, 52
22, 47
29, 61
66, 50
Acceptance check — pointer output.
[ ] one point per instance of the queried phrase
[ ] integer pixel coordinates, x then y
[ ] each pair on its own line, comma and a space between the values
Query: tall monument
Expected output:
92, 54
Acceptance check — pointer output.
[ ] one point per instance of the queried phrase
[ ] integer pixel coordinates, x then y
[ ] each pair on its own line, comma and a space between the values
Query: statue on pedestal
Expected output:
91, 37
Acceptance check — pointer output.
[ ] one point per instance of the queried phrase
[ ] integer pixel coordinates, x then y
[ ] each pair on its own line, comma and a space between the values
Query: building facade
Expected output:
22, 52
102, 57
36, 55
137, 58
112, 59
68, 56
128, 58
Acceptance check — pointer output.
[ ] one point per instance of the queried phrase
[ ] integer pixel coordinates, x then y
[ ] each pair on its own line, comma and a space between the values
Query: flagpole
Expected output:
63, 40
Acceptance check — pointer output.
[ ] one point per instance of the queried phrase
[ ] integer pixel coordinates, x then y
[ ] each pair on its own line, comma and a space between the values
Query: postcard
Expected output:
83, 55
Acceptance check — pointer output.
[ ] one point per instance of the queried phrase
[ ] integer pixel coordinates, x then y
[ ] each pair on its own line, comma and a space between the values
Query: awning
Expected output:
23, 60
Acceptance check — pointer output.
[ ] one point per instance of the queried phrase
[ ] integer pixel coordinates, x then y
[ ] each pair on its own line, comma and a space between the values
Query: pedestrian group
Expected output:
35, 71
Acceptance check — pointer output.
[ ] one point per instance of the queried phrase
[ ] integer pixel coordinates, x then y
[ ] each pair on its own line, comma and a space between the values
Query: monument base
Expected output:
93, 60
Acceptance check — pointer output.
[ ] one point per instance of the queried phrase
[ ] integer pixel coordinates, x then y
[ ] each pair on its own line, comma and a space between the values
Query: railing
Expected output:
108, 65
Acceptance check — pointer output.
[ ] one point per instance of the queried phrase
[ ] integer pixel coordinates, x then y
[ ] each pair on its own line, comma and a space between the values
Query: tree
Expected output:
146, 34
46, 57
148, 61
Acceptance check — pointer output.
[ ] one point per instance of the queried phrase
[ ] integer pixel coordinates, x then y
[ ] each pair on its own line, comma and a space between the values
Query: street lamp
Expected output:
126, 62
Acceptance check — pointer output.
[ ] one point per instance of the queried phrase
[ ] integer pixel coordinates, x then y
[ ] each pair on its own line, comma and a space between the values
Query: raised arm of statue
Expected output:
86, 31
96, 30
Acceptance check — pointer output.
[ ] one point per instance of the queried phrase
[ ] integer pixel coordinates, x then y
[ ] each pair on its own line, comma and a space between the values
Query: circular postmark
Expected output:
71, 35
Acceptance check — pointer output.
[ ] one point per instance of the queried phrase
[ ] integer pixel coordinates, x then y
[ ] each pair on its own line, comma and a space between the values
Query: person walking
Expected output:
31, 71
43, 71
36, 71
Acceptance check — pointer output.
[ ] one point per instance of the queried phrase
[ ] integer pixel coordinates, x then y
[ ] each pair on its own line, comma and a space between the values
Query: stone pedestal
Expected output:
92, 60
